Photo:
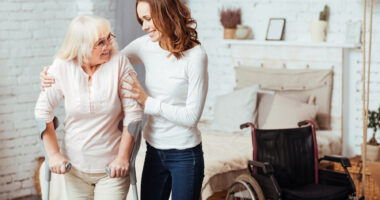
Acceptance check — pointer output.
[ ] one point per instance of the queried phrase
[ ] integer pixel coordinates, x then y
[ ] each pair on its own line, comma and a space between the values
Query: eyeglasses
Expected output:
103, 42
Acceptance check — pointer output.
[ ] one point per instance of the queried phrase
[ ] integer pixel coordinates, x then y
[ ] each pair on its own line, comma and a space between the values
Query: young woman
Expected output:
88, 73
177, 83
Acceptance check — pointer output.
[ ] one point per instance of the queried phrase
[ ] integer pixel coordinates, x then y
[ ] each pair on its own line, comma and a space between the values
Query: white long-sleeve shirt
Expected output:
177, 90
91, 136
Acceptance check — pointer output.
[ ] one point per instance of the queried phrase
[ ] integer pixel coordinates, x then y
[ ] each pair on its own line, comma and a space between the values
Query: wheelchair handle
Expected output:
246, 125
302, 123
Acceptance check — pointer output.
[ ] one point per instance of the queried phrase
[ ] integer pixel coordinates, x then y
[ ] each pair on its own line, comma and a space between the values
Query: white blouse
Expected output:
92, 138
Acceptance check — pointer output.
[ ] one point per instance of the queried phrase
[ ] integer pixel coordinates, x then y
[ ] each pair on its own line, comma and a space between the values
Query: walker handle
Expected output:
108, 171
68, 167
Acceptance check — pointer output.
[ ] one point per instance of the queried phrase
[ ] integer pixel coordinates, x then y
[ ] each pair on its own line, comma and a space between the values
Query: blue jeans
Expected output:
179, 171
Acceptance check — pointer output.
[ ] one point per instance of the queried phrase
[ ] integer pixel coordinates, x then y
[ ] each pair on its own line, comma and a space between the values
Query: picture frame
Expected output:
353, 32
275, 30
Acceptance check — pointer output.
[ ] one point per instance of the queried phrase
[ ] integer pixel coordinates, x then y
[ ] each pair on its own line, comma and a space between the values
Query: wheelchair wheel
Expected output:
245, 187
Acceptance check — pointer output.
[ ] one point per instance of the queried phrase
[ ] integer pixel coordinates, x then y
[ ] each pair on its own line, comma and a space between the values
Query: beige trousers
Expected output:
97, 186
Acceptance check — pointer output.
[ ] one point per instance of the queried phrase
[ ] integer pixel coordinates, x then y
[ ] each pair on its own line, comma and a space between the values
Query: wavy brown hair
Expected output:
172, 18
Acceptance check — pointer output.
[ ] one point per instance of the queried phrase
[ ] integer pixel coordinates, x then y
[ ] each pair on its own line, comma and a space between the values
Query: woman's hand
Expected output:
119, 167
137, 91
46, 81
57, 163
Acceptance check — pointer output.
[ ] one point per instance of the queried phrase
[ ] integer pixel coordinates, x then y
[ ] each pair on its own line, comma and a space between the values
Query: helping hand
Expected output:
46, 81
137, 92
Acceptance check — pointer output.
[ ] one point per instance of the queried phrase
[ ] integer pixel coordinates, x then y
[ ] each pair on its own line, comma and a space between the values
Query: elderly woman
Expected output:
176, 82
88, 74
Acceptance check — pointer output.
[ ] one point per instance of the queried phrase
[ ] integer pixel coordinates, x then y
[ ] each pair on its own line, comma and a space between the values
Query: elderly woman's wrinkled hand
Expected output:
119, 167
57, 163
46, 81
136, 91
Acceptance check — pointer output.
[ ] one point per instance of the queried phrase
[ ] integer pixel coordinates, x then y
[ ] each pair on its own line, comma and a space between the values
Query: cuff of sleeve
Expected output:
41, 124
152, 106
131, 118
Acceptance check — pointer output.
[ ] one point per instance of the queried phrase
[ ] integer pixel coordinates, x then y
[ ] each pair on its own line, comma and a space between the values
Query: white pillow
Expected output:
234, 109
286, 113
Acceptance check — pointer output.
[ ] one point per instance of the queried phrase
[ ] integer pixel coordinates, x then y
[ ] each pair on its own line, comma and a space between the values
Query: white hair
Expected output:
82, 34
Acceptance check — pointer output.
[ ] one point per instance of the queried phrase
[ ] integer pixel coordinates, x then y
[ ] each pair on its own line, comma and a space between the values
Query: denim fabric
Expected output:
178, 171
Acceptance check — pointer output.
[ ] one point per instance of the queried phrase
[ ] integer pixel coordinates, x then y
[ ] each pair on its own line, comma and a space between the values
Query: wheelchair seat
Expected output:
316, 192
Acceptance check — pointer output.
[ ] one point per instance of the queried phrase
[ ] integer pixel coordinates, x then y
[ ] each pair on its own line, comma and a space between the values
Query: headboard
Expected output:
299, 81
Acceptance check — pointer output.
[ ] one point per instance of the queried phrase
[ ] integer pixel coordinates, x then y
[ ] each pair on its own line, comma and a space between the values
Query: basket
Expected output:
372, 190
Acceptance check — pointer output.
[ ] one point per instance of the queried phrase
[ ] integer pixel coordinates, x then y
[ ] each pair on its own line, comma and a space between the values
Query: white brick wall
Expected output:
298, 15
30, 34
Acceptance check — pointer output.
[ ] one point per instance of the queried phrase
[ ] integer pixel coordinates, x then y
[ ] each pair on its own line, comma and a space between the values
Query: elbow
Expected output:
37, 115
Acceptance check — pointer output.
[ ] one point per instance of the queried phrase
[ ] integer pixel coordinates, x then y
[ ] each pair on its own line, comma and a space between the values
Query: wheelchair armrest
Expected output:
344, 161
265, 166
266, 180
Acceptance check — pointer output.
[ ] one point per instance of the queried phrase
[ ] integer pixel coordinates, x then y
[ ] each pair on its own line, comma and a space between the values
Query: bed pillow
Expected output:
286, 113
305, 81
264, 103
234, 108
265, 100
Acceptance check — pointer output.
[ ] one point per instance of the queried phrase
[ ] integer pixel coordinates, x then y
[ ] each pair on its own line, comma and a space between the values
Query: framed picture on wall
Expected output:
275, 30
353, 32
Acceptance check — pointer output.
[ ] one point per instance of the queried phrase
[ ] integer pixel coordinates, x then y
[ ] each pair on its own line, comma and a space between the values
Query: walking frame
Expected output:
134, 128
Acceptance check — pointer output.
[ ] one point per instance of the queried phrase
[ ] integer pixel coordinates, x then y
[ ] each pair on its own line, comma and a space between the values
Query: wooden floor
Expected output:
216, 196
32, 197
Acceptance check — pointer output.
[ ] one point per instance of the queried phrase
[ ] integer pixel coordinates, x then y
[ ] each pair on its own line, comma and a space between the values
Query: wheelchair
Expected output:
285, 167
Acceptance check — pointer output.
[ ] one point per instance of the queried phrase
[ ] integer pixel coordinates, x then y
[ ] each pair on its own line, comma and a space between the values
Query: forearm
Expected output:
187, 115
126, 145
49, 139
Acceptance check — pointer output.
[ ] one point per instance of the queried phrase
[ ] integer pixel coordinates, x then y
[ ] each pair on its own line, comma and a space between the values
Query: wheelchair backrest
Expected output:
291, 152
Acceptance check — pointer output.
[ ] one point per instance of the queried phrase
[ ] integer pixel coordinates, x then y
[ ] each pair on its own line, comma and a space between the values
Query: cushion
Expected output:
306, 81
265, 100
286, 113
234, 108
264, 104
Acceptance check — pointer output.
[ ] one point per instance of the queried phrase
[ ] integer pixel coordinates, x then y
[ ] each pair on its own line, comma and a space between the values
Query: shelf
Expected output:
294, 44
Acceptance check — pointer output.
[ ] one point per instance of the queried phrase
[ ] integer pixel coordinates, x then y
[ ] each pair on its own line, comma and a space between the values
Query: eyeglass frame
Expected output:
107, 41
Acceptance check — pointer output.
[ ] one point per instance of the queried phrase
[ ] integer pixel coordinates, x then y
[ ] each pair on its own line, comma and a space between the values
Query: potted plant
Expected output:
372, 144
318, 28
230, 18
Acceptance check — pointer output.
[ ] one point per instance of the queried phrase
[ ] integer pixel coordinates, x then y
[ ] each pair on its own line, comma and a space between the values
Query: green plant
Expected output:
230, 18
324, 15
373, 122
